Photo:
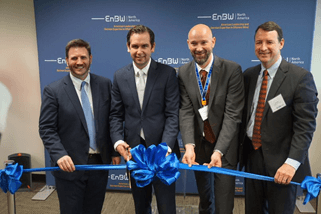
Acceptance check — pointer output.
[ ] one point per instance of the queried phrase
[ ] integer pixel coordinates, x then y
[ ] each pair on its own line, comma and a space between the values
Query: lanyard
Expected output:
203, 90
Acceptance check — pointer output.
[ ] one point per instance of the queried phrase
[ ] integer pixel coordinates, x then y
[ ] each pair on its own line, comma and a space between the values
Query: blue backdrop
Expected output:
104, 24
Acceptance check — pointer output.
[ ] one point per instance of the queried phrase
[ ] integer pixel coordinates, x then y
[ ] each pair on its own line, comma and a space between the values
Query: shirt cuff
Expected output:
216, 150
294, 163
169, 150
117, 143
193, 144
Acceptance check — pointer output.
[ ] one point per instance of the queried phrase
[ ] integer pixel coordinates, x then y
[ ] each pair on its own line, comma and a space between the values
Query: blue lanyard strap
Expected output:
203, 90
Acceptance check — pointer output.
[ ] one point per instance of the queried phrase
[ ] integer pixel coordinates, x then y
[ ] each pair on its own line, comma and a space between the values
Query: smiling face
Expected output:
79, 61
201, 43
268, 47
140, 48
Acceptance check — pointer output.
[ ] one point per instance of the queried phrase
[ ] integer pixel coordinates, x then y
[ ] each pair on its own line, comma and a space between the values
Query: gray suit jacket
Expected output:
287, 132
225, 106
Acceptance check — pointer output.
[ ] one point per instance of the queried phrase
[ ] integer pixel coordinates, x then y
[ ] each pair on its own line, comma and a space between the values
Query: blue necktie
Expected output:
89, 116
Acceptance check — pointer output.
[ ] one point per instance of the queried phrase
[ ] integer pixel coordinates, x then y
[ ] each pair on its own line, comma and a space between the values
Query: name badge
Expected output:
204, 112
277, 103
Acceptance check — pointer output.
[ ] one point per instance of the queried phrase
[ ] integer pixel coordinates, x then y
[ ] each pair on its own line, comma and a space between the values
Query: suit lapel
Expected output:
214, 79
95, 93
151, 79
252, 85
71, 92
130, 79
277, 81
192, 82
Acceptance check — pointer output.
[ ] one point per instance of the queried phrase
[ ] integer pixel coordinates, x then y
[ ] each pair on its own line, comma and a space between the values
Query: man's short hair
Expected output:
141, 29
75, 43
271, 26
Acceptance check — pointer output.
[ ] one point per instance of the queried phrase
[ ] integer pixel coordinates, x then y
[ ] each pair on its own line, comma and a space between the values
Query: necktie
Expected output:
140, 91
209, 135
141, 87
256, 138
89, 116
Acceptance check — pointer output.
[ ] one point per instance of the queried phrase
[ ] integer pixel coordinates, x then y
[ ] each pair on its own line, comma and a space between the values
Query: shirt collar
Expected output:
208, 67
144, 70
77, 82
273, 69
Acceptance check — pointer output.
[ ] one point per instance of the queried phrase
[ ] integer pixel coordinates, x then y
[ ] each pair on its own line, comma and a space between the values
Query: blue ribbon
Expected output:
312, 185
151, 163
10, 178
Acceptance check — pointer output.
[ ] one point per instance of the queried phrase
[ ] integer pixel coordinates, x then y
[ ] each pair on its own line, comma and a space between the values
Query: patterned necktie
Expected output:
256, 138
89, 116
141, 88
209, 135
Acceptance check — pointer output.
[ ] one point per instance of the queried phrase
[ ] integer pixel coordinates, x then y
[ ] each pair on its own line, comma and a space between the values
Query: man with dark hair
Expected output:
77, 43
74, 127
212, 99
144, 110
278, 125
138, 29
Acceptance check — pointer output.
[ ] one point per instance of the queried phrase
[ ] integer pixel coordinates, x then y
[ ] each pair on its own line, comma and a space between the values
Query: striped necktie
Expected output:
256, 138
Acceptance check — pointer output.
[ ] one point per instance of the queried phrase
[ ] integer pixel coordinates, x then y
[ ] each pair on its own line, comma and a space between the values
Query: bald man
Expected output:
209, 118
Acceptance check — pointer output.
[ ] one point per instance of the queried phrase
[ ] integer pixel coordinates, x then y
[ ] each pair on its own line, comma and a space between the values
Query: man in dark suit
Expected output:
278, 125
68, 136
212, 99
145, 95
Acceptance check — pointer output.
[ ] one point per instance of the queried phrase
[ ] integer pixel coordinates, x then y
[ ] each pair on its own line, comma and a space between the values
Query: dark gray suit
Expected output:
158, 118
225, 106
63, 129
286, 133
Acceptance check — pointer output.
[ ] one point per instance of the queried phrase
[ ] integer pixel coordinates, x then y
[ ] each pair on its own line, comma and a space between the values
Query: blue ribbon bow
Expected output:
10, 178
312, 185
151, 163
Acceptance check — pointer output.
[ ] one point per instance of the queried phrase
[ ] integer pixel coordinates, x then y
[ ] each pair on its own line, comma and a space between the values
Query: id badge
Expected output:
277, 103
204, 112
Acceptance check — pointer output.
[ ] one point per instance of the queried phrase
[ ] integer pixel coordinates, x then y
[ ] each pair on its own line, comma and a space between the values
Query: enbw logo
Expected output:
223, 16
115, 18
168, 61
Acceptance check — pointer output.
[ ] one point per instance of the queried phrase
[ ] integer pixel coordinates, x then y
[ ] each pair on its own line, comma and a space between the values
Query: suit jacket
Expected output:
159, 114
62, 123
286, 133
225, 106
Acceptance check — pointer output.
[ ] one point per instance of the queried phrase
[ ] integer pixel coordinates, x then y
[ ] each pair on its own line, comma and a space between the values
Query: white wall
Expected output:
19, 71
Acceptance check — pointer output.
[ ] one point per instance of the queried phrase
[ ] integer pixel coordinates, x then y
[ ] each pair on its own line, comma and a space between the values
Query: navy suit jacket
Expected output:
287, 132
62, 123
159, 114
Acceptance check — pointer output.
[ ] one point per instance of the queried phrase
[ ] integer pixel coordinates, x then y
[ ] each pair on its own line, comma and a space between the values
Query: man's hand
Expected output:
284, 174
116, 160
124, 150
189, 156
66, 164
216, 160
